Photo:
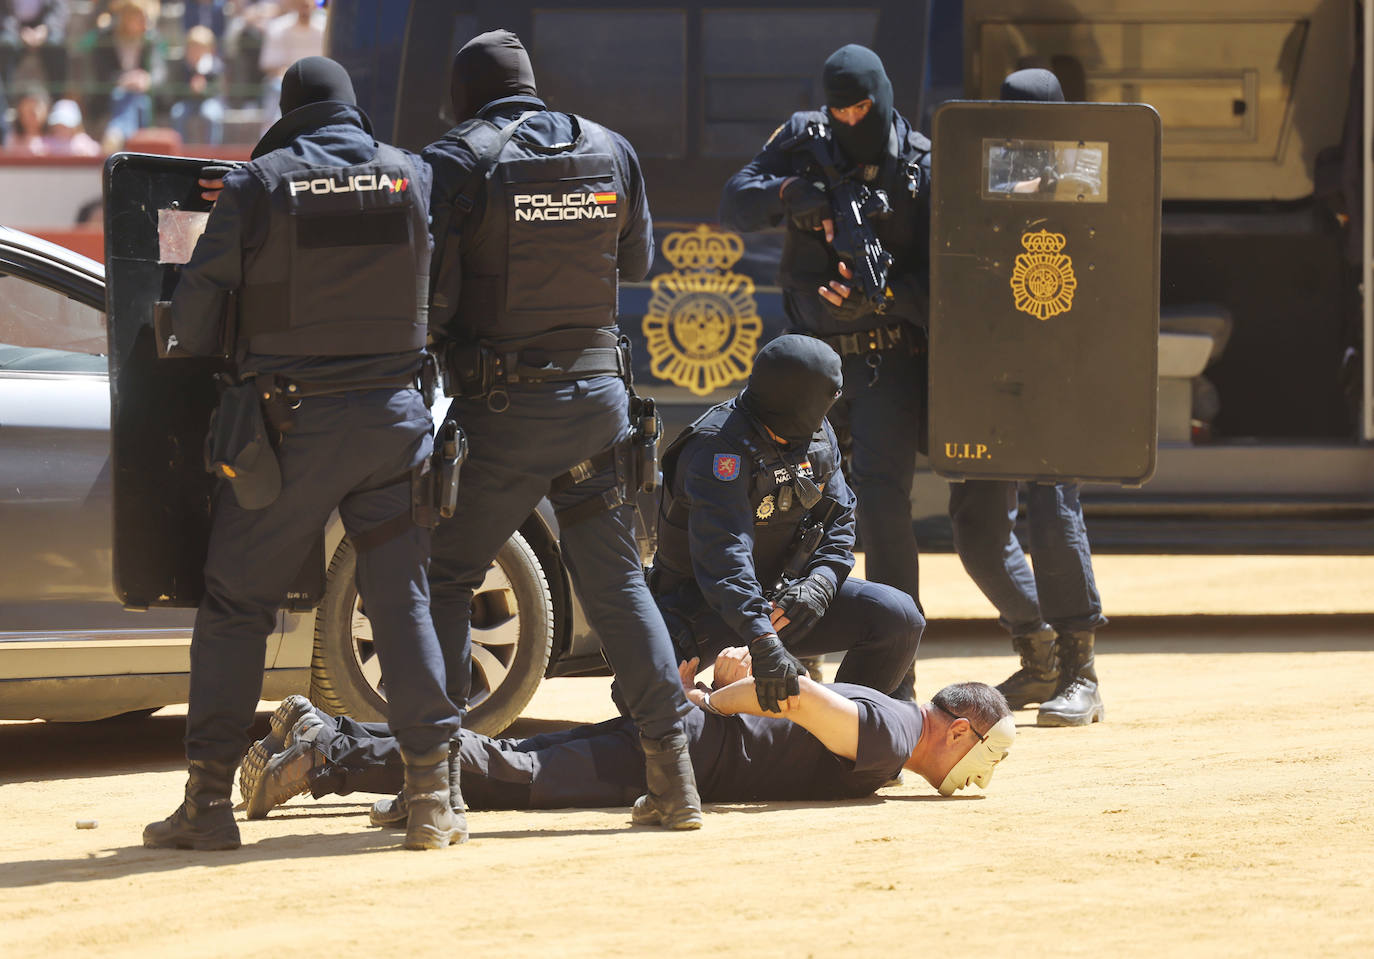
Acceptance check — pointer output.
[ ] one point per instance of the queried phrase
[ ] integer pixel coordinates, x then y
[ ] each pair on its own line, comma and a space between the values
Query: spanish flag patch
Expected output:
604, 197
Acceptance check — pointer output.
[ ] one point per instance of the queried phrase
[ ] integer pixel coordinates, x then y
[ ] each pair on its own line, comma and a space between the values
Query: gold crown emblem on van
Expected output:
702, 325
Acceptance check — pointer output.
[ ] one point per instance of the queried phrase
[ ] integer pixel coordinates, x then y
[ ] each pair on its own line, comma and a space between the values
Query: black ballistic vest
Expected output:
345, 268
776, 513
542, 253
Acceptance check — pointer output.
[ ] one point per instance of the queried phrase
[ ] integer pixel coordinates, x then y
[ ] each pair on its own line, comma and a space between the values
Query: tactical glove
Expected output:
806, 204
804, 603
775, 672
853, 307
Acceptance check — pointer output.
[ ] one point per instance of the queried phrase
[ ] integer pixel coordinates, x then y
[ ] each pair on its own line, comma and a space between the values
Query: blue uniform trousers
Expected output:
513, 456
345, 451
1061, 590
883, 423
877, 628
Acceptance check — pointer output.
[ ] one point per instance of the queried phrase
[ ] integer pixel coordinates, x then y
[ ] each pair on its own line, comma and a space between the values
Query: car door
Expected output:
56, 600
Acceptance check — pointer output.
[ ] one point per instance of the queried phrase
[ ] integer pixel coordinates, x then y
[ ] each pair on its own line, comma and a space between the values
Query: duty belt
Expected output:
873, 341
281, 396
553, 366
274, 385
485, 369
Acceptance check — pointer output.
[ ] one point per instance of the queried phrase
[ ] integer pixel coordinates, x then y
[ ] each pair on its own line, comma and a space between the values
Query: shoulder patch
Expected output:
725, 466
774, 135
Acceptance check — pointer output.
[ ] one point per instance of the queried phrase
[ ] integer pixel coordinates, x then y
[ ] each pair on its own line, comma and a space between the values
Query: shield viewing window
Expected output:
1062, 171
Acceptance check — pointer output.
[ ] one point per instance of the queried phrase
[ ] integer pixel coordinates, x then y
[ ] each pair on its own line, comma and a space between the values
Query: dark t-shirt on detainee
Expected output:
747, 758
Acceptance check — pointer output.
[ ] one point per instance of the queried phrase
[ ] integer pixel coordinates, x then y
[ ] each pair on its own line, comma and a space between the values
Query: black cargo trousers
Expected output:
593, 766
345, 450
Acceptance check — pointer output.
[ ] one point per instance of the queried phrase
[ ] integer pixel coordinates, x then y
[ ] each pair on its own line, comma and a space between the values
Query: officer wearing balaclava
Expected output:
321, 237
882, 408
536, 216
738, 484
1053, 611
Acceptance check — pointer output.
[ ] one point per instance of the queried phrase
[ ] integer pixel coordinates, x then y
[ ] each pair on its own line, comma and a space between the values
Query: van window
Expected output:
761, 66
624, 68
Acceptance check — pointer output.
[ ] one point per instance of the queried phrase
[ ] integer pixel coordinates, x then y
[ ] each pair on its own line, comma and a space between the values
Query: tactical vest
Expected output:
345, 267
777, 508
541, 253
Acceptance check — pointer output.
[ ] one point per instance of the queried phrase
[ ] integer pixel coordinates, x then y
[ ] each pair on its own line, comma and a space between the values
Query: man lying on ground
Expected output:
841, 742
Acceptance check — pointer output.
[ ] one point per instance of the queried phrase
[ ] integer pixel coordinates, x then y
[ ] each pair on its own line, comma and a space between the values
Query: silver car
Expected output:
70, 651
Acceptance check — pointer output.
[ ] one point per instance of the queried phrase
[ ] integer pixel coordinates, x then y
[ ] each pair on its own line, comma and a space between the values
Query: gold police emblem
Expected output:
702, 326
1042, 279
765, 509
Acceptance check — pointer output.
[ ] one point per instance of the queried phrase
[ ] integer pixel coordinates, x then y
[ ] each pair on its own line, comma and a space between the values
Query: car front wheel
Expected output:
512, 637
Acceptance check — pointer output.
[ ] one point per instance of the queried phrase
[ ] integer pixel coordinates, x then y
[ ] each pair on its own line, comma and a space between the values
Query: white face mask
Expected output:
979, 762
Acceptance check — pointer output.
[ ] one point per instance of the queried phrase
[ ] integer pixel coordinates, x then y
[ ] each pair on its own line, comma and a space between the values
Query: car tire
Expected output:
512, 639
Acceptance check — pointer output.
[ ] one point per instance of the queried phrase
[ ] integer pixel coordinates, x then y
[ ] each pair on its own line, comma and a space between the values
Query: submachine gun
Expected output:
855, 205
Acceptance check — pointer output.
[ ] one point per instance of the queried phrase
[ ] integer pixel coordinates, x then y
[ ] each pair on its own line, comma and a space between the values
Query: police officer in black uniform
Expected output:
883, 405
1053, 611
323, 237
741, 486
536, 214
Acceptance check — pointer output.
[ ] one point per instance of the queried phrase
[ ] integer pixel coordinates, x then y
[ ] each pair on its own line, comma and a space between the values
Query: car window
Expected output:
41, 329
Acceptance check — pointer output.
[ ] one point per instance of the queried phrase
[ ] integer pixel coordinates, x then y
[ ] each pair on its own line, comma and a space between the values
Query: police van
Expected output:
1264, 382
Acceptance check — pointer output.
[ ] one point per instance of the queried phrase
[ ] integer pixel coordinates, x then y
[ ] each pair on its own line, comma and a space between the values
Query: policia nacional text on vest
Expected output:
345, 268
542, 254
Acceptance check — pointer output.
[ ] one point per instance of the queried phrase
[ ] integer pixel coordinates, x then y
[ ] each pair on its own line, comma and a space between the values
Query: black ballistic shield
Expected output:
160, 408
1044, 291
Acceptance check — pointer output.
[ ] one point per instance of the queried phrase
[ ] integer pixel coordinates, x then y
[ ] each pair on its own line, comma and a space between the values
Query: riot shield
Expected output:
160, 408
1044, 291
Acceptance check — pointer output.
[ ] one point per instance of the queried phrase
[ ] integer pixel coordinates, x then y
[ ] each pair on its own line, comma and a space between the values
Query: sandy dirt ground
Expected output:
1223, 809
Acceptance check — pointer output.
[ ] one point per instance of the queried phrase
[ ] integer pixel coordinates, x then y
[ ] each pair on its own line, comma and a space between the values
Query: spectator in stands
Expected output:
37, 29
205, 13
243, 48
297, 33
198, 113
65, 134
30, 121
126, 62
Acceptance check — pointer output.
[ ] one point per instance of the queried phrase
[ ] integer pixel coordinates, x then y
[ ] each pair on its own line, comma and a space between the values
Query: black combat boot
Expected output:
1038, 678
284, 718
286, 774
430, 821
389, 812
205, 819
1076, 702
672, 799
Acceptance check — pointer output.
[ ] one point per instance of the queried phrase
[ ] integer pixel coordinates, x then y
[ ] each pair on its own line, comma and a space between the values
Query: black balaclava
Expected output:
793, 385
853, 73
490, 66
313, 80
1039, 85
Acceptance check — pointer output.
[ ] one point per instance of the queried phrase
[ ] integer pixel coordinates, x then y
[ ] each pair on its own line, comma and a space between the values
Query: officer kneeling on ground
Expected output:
536, 215
756, 536
331, 332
